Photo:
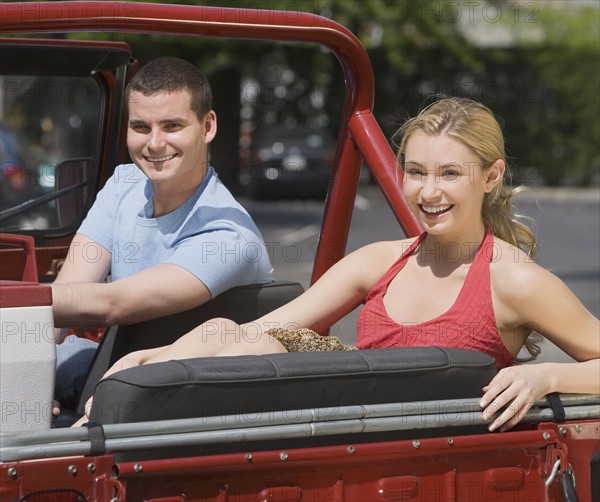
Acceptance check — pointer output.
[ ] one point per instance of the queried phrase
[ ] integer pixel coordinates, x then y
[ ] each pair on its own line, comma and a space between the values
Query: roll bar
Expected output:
140, 436
360, 137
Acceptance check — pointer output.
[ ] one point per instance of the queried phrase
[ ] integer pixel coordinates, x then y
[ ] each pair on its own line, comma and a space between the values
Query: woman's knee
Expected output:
219, 331
251, 343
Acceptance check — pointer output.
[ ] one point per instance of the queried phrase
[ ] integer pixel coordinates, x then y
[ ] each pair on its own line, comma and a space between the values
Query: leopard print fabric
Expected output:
307, 340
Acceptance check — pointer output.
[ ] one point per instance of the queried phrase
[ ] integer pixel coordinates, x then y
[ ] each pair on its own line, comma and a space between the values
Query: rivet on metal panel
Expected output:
91, 467
546, 435
450, 441
562, 431
283, 455
417, 443
248, 457
72, 470
138, 468
578, 428
350, 449
12, 472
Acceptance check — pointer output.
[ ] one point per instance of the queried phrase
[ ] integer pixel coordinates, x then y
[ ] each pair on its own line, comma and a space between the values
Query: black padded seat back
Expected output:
213, 386
240, 304
256, 386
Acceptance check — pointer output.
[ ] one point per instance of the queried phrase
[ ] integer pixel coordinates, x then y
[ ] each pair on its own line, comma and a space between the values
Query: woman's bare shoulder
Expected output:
372, 261
514, 272
387, 251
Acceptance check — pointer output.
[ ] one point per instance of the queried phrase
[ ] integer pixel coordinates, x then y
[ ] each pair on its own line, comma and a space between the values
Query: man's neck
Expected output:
167, 197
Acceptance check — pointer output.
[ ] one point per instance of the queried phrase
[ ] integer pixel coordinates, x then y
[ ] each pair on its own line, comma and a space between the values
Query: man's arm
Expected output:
87, 261
81, 299
155, 292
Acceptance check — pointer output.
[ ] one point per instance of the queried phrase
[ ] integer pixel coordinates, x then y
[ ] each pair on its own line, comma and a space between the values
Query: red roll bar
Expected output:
354, 142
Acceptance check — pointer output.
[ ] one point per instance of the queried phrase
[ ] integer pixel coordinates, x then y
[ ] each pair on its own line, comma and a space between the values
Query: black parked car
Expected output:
289, 163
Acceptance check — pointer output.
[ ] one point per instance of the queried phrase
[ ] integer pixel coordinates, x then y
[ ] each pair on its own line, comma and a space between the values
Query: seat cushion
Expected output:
259, 384
240, 304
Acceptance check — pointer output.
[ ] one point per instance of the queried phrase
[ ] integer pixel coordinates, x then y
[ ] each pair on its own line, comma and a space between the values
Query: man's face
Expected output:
167, 141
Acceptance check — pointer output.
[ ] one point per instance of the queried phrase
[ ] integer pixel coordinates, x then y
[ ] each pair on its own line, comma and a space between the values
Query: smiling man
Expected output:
165, 229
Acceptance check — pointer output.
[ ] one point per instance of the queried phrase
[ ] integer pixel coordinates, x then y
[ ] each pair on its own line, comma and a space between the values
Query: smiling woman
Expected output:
471, 280
478, 138
447, 195
326, 452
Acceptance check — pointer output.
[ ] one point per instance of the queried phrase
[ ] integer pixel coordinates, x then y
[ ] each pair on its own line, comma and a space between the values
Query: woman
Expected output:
468, 281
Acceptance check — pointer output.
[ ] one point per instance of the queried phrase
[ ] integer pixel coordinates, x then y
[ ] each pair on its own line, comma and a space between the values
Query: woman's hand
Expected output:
515, 389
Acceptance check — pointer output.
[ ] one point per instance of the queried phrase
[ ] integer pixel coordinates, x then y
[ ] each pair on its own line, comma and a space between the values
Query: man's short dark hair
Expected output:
169, 74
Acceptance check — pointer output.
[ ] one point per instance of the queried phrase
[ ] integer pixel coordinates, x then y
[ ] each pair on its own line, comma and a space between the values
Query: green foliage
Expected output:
567, 65
541, 75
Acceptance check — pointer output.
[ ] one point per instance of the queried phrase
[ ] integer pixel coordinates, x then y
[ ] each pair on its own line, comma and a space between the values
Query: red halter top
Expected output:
469, 323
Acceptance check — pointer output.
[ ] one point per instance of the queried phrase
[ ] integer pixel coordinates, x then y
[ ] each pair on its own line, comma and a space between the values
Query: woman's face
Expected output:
444, 184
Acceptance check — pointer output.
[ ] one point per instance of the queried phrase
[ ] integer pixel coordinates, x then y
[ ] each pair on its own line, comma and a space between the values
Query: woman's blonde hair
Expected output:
474, 125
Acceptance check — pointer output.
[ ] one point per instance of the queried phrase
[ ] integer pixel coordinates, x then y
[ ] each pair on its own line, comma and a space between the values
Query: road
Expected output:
567, 222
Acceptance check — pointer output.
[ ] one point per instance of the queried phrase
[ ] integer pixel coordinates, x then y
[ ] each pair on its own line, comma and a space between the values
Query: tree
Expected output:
539, 72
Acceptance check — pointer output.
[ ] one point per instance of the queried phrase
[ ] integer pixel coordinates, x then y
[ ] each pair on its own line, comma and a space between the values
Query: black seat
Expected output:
240, 304
257, 386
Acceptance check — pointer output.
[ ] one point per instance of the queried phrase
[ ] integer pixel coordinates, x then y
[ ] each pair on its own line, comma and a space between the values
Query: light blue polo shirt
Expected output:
211, 235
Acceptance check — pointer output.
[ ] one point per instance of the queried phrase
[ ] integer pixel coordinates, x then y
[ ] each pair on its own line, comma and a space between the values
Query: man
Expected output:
165, 228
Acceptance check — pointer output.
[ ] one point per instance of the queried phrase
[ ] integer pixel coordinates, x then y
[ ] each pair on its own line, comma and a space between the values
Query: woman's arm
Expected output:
518, 387
541, 301
341, 289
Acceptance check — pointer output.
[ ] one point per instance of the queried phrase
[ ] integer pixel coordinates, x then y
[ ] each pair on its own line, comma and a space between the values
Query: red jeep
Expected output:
395, 424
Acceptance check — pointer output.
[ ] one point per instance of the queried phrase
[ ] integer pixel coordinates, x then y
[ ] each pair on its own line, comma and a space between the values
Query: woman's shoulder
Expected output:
386, 251
509, 254
372, 261
514, 272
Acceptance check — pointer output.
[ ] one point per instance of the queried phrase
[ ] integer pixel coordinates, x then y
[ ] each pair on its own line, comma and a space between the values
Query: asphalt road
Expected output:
567, 222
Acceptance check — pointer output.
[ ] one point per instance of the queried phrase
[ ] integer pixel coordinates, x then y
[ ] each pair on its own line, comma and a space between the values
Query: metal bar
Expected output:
170, 439
339, 205
270, 418
31, 203
573, 400
220, 22
384, 168
447, 407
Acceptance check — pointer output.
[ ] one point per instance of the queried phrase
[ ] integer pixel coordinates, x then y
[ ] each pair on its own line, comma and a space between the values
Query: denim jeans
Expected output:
73, 360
